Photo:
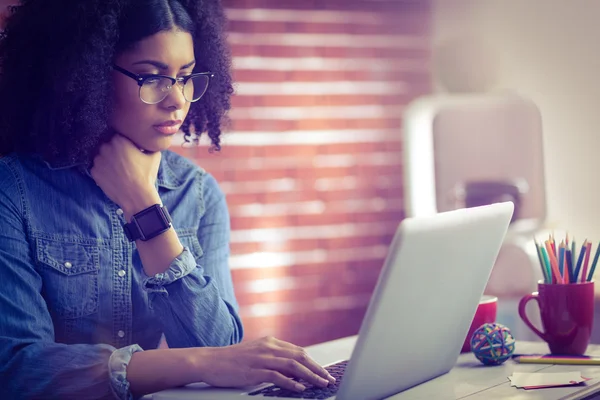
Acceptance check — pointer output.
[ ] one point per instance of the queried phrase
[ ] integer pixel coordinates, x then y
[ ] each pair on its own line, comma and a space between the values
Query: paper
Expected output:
538, 380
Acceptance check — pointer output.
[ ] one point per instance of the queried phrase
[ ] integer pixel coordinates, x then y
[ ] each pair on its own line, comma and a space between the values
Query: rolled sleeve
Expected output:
181, 266
117, 366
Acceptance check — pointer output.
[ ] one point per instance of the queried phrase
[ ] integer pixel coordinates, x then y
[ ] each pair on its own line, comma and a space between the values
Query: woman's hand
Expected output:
263, 360
126, 174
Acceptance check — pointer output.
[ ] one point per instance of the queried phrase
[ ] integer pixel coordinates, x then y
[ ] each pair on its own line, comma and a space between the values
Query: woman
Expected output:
108, 240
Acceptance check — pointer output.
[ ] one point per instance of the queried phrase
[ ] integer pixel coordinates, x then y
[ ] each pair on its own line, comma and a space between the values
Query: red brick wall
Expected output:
312, 164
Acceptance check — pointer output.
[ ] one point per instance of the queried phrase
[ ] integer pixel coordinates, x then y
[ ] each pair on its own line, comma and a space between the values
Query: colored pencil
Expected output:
591, 273
569, 257
541, 261
566, 274
548, 265
553, 262
579, 261
588, 250
561, 260
565, 360
573, 256
553, 245
562, 263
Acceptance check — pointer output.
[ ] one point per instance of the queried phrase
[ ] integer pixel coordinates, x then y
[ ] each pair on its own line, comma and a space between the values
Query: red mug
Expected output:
567, 315
486, 313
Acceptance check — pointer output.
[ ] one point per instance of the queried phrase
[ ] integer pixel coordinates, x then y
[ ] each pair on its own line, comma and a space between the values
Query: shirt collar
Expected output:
166, 177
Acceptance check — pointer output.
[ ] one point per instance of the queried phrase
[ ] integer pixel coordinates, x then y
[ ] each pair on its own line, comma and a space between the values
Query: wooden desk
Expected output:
469, 379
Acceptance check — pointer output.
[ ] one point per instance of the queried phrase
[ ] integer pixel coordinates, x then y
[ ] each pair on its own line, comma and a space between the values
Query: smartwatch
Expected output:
148, 223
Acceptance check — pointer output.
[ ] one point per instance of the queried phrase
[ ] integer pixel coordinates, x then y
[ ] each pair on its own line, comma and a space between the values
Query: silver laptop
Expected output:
435, 272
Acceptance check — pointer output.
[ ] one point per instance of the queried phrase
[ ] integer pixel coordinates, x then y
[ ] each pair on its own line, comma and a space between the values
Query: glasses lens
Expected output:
195, 87
155, 89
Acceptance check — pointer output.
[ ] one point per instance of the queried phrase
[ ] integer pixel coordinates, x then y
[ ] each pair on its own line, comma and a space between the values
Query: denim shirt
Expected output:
75, 303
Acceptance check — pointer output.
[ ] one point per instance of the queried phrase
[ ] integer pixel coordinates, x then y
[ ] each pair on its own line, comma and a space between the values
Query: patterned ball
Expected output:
492, 344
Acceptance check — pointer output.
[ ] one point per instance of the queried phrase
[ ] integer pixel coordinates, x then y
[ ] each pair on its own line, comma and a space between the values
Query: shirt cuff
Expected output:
117, 366
181, 266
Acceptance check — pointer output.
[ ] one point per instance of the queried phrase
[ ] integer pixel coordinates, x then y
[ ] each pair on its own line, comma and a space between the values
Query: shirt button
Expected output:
121, 273
121, 334
68, 265
119, 212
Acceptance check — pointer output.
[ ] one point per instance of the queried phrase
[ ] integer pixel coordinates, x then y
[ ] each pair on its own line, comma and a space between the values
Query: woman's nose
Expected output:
175, 98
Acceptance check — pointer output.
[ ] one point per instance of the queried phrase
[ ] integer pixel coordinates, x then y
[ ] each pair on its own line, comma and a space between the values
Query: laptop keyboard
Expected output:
311, 392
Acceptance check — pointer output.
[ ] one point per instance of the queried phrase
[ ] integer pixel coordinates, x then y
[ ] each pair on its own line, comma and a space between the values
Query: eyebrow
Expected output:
161, 65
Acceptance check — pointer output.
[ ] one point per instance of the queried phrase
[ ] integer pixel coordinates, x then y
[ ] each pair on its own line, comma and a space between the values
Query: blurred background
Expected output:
313, 163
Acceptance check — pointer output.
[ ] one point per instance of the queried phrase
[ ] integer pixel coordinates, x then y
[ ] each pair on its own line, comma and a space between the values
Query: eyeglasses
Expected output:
155, 88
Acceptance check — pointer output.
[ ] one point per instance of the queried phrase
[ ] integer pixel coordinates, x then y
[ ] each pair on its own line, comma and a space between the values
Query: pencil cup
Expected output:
567, 315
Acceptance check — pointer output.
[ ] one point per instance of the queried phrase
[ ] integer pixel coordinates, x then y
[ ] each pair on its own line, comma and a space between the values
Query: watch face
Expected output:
151, 221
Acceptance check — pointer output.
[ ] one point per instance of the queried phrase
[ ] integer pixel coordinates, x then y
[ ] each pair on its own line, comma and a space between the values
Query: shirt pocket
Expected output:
188, 239
70, 276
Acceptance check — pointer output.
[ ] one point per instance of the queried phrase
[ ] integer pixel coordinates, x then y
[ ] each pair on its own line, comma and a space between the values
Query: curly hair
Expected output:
56, 62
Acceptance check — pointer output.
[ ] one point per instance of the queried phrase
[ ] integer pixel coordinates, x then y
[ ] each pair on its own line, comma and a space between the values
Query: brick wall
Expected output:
312, 163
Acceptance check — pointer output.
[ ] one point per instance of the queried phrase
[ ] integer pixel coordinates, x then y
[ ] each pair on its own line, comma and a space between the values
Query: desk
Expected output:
469, 379
472, 380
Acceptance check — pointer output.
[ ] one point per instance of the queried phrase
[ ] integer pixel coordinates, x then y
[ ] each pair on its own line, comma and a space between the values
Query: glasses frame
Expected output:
141, 79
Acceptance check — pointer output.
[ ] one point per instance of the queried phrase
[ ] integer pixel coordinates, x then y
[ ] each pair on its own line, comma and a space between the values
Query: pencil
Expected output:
569, 257
573, 256
579, 261
551, 277
591, 273
561, 259
558, 360
553, 243
554, 263
567, 274
588, 249
541, 261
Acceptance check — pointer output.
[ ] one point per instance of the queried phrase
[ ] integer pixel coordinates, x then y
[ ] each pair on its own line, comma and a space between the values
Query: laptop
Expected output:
428, 290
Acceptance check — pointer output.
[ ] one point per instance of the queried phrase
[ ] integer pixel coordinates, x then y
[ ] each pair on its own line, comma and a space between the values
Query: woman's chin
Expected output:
161, 144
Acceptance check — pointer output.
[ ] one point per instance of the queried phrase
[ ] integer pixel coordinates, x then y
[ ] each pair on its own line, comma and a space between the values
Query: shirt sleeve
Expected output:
118, 362
196, 303
181, 266
32, 364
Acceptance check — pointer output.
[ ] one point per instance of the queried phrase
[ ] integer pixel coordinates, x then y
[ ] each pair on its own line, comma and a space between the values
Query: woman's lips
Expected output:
168, 128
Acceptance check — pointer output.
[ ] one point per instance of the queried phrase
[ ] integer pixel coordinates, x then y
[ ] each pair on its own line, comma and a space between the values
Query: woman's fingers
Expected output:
277, 378
291, 367
301, 356
291, 351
